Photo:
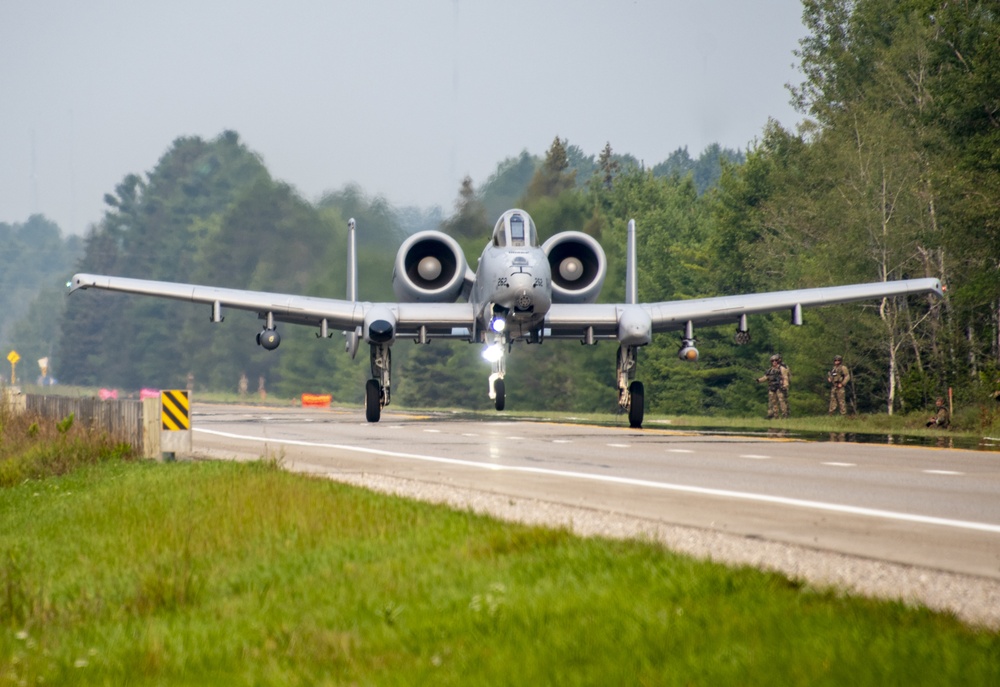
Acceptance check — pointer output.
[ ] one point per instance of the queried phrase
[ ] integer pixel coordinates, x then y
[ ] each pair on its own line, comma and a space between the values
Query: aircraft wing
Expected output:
673, 315
456, 320
573, 321
438, 319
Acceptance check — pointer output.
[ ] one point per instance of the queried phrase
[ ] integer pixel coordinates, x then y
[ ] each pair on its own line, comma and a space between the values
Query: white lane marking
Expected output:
842, 465
618, 445
630, 481
755, 456
679, 450
943, 472
433, 431
469, 434
562, 441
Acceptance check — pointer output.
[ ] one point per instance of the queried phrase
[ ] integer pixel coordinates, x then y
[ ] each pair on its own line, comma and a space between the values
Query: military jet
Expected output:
520, 291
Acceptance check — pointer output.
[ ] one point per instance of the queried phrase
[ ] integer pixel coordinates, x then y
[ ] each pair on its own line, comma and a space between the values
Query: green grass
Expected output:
34, 447
124, 572
912, 424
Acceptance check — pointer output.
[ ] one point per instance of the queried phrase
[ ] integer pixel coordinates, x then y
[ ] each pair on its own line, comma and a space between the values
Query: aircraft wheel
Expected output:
635, 410
373, 405
498, 389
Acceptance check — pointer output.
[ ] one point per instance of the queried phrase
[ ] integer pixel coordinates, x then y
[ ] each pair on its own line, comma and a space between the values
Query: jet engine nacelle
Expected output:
578, 267
430, 268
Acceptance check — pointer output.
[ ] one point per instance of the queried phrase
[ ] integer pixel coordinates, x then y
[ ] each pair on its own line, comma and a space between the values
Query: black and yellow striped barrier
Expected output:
175, 410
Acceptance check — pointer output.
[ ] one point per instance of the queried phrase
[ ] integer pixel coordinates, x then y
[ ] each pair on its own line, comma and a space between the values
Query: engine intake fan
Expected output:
578, 266
430, 267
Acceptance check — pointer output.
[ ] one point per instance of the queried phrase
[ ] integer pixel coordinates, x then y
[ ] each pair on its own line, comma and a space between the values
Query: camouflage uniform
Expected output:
778, 379
941, 417
838, 377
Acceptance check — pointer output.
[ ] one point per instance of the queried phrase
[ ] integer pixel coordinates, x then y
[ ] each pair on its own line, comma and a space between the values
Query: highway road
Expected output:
938, 509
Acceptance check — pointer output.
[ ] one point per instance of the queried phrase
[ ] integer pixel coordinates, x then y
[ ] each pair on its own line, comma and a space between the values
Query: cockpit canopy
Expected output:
515, 228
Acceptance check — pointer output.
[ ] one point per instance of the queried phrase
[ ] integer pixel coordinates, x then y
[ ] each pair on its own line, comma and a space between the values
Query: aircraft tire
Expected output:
637, 406
373, 405
501, 396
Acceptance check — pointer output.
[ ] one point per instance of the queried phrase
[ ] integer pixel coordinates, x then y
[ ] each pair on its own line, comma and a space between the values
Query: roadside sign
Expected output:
176, 413
175, 422
13, 357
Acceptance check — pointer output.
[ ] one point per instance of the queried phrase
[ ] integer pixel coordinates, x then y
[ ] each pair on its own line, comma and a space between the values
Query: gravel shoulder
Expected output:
974, 600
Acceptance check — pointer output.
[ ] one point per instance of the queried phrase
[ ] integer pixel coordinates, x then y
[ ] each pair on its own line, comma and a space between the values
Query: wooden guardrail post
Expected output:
151, 428
14, 400
140, 423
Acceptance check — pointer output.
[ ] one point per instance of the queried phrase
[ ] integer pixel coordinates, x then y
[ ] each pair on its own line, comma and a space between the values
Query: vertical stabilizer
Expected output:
351, 338
631, 275
352, 262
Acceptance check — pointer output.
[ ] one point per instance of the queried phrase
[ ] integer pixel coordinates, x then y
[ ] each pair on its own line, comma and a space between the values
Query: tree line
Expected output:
34, 262
894, 174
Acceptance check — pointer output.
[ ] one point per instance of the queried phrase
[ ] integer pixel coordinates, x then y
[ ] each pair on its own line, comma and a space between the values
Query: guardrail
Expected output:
134, 422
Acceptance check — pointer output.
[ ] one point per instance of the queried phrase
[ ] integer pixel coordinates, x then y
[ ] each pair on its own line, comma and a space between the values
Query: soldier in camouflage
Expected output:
941, 417
778, 379
838, 377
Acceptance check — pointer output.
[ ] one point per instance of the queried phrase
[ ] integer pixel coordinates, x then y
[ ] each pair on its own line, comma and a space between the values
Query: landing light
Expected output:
498, 324
493, 352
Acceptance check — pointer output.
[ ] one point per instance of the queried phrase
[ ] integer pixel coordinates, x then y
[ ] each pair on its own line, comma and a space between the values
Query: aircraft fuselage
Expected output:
514, 283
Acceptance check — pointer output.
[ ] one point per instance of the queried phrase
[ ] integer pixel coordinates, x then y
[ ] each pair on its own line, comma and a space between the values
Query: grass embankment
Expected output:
33, 448
911, 424
220, 573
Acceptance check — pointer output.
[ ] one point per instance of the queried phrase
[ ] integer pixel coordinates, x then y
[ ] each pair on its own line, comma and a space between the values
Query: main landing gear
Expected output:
377, 388
631, 394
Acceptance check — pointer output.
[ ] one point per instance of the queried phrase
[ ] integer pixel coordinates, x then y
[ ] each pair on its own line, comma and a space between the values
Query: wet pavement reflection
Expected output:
935, 441
941, 440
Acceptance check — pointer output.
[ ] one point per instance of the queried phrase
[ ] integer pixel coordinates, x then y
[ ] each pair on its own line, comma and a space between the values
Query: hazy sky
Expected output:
405, 98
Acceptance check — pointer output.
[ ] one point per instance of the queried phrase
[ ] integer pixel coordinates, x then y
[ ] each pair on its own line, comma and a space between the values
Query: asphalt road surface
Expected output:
938, 509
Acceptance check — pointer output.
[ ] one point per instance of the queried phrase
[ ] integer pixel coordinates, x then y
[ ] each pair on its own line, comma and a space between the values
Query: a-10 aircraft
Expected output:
520, 291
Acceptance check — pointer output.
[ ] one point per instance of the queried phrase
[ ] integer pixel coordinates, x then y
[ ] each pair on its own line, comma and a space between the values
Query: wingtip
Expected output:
79, 281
